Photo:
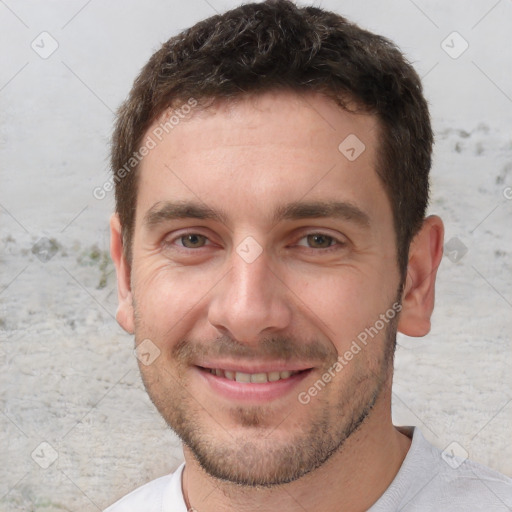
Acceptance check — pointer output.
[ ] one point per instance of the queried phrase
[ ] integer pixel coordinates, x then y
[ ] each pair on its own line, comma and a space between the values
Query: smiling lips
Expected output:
259, 378
249, 383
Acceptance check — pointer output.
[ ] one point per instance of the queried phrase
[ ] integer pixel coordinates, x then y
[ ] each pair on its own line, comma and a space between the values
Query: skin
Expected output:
304, 298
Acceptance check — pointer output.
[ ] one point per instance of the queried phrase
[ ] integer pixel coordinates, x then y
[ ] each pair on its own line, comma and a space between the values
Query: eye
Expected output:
321, 241
315, 241
193, 240
188, 241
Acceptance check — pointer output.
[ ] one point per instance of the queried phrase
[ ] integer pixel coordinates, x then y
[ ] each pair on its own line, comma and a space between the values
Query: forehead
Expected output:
306, 116
261, 150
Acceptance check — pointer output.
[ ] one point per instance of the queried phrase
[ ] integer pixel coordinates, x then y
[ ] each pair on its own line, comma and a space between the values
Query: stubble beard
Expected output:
253, 455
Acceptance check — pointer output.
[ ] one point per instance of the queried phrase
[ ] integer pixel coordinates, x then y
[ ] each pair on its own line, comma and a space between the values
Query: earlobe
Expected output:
418, 295
125, 314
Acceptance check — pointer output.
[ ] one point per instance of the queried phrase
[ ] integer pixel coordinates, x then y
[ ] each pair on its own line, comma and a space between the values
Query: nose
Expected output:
251, 301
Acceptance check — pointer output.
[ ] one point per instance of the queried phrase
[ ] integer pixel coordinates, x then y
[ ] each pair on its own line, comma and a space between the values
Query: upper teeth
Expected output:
252, 377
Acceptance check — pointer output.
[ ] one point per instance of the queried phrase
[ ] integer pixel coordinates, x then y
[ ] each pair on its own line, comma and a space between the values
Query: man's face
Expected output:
273, 286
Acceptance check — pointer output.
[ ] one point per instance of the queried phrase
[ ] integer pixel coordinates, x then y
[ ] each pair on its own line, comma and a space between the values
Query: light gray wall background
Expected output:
76, 428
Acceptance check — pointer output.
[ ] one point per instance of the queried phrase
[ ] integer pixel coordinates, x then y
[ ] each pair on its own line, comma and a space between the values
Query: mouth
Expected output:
255, 378
256, 386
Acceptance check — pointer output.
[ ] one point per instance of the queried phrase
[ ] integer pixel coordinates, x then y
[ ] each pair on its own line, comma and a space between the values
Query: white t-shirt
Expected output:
425, 482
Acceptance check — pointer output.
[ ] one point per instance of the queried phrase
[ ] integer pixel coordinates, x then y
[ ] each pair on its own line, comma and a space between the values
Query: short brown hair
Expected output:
272, 45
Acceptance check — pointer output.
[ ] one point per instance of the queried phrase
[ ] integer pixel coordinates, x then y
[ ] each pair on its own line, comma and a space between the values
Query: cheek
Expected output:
345, 300
167, 296
338, 302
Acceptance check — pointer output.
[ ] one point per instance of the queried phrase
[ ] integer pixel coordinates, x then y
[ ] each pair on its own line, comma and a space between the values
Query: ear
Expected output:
418, 295
124, 315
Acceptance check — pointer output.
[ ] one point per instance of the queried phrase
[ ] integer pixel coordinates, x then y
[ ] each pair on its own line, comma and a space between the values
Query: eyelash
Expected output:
336, 245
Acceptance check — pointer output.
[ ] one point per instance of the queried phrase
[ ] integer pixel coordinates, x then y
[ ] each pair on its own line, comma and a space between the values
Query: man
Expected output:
271, 169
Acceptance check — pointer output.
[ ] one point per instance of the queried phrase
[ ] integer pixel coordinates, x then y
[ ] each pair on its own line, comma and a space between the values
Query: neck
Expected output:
355, 477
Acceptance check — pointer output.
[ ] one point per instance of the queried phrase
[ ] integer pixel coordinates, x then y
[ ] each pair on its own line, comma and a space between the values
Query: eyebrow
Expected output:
165, 211
322, 209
